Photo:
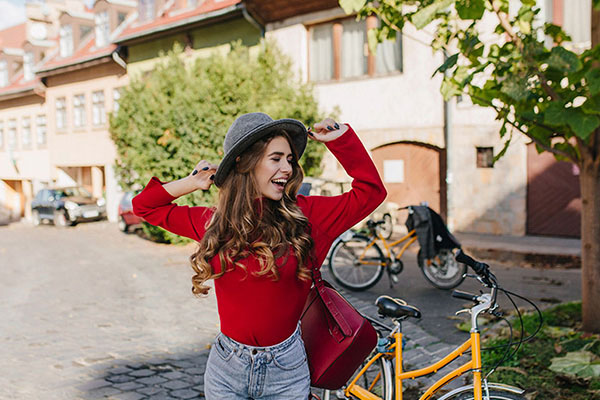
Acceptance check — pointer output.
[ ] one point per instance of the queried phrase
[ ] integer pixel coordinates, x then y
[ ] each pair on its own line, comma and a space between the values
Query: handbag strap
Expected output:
331, 307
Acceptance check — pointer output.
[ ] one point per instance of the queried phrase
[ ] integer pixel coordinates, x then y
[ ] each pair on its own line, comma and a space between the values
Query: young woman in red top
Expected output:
260, 243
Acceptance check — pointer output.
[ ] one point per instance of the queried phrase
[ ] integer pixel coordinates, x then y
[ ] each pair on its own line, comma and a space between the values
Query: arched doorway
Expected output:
413, 172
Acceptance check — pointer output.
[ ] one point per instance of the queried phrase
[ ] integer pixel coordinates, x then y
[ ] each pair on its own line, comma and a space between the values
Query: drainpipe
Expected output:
448, 171
252, 20
117, 58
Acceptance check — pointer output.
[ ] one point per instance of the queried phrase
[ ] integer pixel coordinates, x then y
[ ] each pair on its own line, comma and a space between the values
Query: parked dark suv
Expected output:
66, 206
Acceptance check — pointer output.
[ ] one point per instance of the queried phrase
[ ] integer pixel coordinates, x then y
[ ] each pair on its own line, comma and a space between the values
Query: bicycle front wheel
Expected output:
356, 263
442, 271
378, 379
494, 395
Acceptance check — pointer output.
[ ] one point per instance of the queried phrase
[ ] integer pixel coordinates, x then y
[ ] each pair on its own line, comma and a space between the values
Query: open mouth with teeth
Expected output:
279, 183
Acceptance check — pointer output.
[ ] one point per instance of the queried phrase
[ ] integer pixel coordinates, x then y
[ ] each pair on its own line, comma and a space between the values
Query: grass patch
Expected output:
530, 367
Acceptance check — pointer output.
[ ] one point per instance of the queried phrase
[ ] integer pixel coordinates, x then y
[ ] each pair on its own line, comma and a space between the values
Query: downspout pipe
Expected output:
252, 20
117, 58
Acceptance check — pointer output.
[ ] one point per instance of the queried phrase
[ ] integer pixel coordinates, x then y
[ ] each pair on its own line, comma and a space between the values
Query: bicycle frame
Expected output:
410, 238
395, 351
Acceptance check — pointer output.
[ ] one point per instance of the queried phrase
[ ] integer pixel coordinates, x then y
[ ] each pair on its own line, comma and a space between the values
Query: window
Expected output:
28, 66
146, 10
79, 110
98, 112
485, 157
12, 134
40, 130
3, 73
61, 113
102, 28
340, 50
66, 40
1, 134
26, 132
116, 98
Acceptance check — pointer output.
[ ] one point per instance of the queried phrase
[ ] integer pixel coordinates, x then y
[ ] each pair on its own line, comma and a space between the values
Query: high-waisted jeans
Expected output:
238, 371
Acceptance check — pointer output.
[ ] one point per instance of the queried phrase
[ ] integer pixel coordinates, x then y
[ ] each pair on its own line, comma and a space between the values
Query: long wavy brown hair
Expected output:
245, 224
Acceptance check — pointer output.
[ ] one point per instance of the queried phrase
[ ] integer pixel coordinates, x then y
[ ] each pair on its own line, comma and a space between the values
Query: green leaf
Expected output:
555, 114
577, 363
592, 78
470, 9
449, 88
564, 60
449, 63
352, 6
427, 14
591, 106
516, 88
582, 124
540, 134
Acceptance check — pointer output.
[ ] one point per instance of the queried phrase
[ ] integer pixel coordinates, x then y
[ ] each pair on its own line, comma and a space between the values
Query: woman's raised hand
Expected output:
327, 130
203, 174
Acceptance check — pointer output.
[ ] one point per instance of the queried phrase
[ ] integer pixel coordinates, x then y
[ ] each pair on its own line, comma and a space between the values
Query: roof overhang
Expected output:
76, 65
37, 90
195, 21
267, 11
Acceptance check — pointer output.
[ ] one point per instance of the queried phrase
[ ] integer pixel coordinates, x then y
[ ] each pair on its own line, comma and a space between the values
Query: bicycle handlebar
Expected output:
481, 269
465, 296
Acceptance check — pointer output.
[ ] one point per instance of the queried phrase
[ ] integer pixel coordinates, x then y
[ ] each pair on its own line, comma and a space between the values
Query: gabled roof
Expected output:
174, 18
86, 53
13, 36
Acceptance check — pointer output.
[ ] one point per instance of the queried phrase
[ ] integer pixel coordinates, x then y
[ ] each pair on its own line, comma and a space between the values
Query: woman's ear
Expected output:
237, 159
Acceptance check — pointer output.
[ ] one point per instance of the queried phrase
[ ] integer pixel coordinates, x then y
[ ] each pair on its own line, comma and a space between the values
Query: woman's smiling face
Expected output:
274, 168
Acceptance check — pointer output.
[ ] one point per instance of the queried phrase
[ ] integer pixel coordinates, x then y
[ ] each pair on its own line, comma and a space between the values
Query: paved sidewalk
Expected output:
538, 251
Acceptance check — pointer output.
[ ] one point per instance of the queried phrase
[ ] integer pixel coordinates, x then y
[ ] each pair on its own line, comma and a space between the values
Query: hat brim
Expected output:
294, 128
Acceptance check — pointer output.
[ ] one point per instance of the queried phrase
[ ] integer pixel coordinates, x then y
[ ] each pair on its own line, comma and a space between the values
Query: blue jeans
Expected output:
238, 371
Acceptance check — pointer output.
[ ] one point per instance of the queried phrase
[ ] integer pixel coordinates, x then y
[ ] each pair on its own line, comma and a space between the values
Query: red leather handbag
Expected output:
336, 336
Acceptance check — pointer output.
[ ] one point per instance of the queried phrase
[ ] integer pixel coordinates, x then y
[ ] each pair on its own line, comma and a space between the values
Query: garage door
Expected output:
553, 196
411, 173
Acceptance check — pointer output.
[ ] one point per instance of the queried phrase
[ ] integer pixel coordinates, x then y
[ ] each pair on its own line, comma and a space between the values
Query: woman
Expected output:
260, 243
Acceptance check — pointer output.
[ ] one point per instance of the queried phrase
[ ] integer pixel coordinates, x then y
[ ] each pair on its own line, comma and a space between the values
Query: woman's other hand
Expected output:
203, 174
327, 130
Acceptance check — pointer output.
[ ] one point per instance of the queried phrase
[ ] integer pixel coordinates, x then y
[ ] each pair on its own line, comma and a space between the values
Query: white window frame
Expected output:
26, 132
12, 134
102, 28
66, 40
79, 119
61, 113
41, 132
98, 108
3, 73
28, 73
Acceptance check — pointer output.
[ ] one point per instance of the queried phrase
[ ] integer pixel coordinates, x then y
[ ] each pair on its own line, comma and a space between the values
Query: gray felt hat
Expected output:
248, 129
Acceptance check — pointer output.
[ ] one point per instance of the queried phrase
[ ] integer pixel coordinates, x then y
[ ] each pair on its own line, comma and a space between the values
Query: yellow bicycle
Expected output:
382, 374
357, 262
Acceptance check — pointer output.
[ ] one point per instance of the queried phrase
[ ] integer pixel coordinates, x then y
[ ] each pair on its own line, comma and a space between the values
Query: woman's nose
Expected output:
286, 167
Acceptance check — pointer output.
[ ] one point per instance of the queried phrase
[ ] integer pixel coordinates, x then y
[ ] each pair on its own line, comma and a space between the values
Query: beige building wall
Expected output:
408, 107
26, 168
85, 154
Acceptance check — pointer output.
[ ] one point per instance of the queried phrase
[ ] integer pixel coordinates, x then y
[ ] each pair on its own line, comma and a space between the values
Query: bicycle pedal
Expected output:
394, 278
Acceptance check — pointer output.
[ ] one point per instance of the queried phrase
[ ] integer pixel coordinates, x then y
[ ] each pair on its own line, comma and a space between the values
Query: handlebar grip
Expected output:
464, 295
479, 267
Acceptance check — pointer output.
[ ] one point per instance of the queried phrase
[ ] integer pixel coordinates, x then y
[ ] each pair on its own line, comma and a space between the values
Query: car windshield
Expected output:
72, 192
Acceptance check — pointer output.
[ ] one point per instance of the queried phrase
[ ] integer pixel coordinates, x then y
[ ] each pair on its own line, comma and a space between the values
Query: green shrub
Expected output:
178, 114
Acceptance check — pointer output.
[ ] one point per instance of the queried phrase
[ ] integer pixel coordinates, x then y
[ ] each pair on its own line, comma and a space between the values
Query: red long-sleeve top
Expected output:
259, 311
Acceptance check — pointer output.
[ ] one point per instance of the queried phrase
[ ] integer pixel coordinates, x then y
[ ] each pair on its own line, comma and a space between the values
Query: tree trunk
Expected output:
590, 236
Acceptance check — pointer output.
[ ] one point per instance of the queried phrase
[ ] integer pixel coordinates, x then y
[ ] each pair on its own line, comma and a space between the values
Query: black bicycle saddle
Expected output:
396, 308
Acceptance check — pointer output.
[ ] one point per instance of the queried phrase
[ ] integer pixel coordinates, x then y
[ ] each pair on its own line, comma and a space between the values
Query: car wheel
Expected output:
35, 218
60, 219
123, 227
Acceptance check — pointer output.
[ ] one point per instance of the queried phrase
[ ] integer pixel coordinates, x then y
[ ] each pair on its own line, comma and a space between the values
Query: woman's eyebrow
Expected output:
278, 153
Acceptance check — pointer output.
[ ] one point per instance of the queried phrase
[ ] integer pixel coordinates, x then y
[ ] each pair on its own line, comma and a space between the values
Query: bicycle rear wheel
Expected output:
442, 271
356, 263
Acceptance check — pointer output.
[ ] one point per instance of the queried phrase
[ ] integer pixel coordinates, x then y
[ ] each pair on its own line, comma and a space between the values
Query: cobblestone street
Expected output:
89, 311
